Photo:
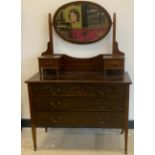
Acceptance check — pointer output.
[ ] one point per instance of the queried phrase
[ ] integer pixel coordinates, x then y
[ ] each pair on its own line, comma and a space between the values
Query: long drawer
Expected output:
53, 89
77, 90
79, 119
102, 90
78, 104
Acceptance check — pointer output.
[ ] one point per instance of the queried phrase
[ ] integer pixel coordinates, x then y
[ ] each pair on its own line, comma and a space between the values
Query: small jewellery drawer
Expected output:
113, 63
79, 104
102, 90
80, 119
49, 63
53, 89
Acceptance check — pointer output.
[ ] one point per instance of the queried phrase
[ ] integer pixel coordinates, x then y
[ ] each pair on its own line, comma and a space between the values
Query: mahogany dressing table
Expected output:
74, 92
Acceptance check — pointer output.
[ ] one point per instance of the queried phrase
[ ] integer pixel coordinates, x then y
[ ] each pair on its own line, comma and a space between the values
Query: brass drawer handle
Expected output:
105, 103
58, 103
51, 90
101, 104
58, 90
55, 120
48, 63
114, 63
52, 104
103, 120
101, 92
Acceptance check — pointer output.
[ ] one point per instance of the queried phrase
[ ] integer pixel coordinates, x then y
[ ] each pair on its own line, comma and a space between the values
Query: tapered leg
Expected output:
126, 121
46, 129
34, 137
126, 141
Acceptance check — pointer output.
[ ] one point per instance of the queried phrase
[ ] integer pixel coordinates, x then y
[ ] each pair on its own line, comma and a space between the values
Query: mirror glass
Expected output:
82, 22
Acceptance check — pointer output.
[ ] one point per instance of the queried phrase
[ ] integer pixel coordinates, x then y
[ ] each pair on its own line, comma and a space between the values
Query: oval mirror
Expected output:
82, 22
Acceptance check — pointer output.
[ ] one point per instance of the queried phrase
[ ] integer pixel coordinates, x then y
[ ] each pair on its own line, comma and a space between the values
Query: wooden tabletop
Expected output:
80, 77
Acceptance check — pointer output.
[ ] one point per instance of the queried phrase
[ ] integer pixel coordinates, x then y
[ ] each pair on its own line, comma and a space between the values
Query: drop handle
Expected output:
101, 104
55, 104
102, 120
52, 104
55, 120
98, 103
99, 91
48, 63
58, 103
51, 90
114, 63
105, 103
58, 90
103, 91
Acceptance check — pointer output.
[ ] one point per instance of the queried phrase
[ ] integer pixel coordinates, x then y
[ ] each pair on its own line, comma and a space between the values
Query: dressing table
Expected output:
80, 92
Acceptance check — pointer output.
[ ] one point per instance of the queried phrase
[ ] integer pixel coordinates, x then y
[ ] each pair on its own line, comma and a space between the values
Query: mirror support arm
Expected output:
115, 48
50, 47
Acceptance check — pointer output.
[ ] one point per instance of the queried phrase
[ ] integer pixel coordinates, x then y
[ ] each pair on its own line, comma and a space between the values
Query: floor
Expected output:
76, 141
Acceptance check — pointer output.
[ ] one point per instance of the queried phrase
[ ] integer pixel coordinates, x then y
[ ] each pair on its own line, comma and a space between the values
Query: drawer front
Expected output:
102, 90
49, 63
77, 119
53, 89
79, 104
113, 63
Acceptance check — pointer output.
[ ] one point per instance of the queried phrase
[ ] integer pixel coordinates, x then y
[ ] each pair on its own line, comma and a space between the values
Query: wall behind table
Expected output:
35, 38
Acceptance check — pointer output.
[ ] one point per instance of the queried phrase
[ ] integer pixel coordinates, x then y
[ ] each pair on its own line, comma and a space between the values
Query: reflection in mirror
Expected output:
82, 22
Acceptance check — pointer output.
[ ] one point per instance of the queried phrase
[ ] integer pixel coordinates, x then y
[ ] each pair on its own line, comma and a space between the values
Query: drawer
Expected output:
79, 104
102, 90
80, 119
53, 89
113, 63
49, 63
